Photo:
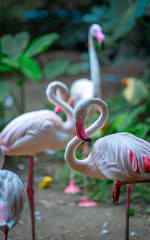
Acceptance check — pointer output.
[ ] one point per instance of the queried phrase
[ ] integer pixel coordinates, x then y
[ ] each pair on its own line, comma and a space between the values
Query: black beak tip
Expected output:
87, 139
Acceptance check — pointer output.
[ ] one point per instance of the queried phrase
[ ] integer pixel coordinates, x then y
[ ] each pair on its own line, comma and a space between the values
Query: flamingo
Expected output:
36, 131
84, 88
122, 157
12, 198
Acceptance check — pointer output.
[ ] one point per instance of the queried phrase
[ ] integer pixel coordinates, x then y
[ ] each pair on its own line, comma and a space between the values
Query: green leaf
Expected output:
5, 68
1, 53
131, 212
14, 45
41, 44
4, 86
122, 120
148, 210
55, 68
11, 62
74, 68
30, 68
122, 15
141, 130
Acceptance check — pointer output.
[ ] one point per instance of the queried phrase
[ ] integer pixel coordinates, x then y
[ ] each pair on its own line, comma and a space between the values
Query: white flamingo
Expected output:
36, 131
121, 157
83, 89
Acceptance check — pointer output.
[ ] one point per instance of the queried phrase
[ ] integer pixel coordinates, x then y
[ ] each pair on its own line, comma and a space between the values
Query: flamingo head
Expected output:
80, 113
96, 31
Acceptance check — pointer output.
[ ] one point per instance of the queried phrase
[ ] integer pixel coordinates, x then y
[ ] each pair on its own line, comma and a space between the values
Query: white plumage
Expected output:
12, 199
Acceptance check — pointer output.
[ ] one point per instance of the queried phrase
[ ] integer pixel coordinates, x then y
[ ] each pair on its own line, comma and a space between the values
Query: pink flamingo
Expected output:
84, 88
121, 157
71, 188
36, 131
12, 198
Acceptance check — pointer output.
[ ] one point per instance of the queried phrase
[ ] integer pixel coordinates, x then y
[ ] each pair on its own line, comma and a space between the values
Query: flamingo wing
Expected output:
12, 198
28, 133
114, 158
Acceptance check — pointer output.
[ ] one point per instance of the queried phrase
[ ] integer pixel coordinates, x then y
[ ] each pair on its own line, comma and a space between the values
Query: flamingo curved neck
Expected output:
94, 67
102, 118
86, 166
52, 97
76, 164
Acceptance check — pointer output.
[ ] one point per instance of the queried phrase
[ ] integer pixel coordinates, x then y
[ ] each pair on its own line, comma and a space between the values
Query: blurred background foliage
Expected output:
31, 28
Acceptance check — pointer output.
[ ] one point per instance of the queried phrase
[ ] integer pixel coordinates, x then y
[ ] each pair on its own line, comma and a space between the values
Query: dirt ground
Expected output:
59, 218
57, 215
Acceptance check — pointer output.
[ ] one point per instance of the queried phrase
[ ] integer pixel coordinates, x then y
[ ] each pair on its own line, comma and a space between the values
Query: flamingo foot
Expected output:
86, 203
116, 191
72, 188
30, 193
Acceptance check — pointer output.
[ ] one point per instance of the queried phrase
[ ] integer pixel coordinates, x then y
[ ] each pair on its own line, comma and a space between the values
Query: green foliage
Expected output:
55, 68
148, 210
131, 212
75, 68
41, 44
17, 58
5, 68
122, 15
11, 62
13, 46
30, 68
123, 117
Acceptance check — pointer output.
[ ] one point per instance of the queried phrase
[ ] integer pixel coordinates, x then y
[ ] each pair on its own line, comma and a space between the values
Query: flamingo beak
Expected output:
100, 36
81, 131
57, 109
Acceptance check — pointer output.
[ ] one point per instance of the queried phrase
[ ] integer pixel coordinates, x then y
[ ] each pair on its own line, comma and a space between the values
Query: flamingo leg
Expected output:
127, 212
30, 193
6, 235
